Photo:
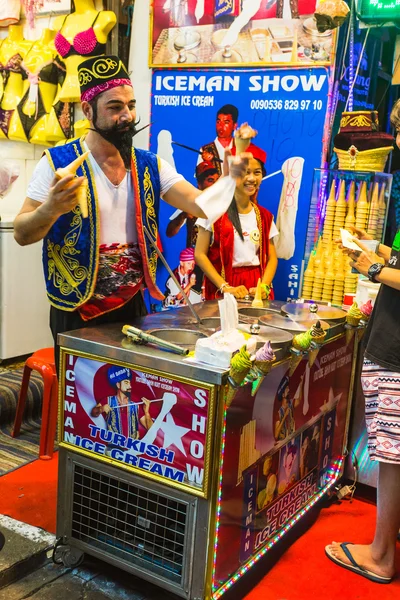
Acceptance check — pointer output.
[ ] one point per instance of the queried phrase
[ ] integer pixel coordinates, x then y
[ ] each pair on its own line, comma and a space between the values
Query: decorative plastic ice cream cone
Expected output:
354, 315
241, 364
295, 360
302, 341
366, 311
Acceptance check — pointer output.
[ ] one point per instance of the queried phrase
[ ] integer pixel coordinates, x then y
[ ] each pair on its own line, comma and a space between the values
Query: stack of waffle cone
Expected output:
319, 252
329, 217
308, 278
82, 191
374, 212
340, 212
362, 208
338, 285
318, 282
328, 285
350, 220
382, 213
350, 281
329, 276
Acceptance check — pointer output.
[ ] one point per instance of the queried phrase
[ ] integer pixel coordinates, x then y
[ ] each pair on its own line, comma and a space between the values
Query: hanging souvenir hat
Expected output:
330, 14
99, 74
359, 145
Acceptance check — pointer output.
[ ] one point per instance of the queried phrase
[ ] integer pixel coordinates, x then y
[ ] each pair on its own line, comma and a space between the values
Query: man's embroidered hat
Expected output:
99, 74
116, 374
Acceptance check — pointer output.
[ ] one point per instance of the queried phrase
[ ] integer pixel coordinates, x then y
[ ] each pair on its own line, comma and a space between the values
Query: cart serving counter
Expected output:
161, 478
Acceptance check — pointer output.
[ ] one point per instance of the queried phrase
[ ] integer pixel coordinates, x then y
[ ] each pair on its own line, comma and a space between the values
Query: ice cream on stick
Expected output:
82, 190
243, 137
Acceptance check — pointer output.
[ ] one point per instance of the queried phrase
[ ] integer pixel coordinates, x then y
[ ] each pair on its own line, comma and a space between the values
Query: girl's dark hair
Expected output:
233, 216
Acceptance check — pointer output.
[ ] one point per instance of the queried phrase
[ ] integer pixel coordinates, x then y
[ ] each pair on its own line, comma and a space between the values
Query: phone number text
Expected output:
286, 104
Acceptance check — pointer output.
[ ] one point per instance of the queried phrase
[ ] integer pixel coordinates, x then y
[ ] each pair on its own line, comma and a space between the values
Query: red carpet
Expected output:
29, 494
302, 573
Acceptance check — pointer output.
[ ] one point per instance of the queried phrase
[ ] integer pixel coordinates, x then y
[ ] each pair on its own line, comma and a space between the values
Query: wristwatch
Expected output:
374, 270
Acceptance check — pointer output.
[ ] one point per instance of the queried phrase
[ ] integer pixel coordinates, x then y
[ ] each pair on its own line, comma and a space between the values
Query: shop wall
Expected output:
23, 154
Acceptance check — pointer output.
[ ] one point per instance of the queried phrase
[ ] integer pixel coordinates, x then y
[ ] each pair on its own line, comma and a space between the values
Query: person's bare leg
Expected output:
379, 557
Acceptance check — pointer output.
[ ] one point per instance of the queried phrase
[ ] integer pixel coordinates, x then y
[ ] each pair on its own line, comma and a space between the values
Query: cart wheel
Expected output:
64, 554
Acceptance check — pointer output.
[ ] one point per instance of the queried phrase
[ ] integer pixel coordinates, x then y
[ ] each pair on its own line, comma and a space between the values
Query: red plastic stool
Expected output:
43, 362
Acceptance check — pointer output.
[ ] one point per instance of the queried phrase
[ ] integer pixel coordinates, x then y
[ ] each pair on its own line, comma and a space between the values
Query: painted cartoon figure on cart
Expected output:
122, 415
285, 426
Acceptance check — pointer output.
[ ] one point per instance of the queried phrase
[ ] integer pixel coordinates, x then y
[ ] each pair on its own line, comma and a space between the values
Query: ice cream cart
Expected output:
158, 476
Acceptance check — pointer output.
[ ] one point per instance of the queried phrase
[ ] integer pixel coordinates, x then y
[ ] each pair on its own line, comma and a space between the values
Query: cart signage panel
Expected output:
141, 420
280, 446
288, 108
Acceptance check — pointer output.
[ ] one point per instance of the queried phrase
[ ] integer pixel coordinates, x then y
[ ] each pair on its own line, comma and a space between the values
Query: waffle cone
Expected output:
349, 335
230, 393
264, 366
353, 321
312, 356
241, 144
238, 376
294, 363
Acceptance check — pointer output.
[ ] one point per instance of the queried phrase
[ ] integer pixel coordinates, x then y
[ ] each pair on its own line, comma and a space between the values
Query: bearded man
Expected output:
96, 267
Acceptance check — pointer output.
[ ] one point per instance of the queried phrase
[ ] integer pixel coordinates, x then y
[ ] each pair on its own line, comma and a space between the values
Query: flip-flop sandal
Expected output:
354, 567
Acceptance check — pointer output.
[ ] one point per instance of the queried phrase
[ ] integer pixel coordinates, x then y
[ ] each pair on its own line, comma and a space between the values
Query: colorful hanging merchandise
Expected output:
9, 12
12, 52
359, 145
76, 42
330, 14
40, 76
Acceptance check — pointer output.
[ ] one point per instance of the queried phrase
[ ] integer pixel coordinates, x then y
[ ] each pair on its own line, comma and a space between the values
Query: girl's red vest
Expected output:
221, 250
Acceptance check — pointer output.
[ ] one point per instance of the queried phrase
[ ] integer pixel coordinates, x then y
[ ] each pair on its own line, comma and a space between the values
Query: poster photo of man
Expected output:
225, 32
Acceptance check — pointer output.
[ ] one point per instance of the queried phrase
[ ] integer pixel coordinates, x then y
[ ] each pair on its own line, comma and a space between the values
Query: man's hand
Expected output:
236, 166
360, 233
192, 280
106, 409
146, 406
365, 259
239, 292
63, 196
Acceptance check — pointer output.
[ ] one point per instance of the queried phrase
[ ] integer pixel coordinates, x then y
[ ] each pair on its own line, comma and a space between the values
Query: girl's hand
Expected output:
252, 292
239, 292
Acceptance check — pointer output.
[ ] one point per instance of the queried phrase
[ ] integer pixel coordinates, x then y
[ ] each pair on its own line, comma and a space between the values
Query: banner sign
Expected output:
279, 446
190, 33
145, 421
288, 109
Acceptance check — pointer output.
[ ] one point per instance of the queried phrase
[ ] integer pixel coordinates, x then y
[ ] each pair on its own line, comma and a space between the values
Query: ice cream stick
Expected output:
82, 191
257, 302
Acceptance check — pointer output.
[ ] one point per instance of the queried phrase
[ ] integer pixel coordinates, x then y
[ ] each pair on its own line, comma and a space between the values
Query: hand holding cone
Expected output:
243, 136
82, 192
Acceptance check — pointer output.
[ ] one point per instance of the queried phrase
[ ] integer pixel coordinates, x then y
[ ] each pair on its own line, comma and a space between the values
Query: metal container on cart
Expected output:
190, 495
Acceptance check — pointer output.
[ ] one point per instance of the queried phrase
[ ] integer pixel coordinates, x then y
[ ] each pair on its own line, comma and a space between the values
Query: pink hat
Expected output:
186, 255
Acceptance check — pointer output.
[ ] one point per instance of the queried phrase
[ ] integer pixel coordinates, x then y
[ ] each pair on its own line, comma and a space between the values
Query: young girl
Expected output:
239, 249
